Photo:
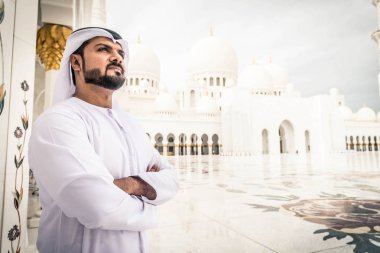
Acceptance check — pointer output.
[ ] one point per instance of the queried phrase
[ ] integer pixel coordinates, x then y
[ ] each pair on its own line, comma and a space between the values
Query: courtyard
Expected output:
284, 204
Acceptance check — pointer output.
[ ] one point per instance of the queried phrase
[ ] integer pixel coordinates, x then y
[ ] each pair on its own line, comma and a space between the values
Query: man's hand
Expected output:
154, 168
134, 185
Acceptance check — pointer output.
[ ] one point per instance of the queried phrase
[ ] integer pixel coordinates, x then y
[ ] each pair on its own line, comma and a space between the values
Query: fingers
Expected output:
154, 168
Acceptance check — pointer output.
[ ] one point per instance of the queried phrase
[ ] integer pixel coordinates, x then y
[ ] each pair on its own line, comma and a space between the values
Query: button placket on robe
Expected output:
132, 153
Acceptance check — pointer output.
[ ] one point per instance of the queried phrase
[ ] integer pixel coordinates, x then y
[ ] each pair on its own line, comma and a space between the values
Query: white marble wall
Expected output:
6, 30
21, 25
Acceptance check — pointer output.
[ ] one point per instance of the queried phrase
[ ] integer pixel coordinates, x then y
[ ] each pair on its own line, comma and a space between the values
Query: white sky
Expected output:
322, 43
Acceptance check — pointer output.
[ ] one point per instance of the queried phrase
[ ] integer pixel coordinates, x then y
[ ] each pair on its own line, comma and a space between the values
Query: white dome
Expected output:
255, 77
289, 87
378, 116
207, 105
279, 75
346, 112
212, 54
165, 103
365, 114
143, 62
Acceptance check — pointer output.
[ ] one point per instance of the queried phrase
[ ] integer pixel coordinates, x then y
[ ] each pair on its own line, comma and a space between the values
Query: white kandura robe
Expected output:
76, 150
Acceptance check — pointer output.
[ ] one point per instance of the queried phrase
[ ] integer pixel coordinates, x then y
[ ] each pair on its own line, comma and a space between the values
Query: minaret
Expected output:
376, 35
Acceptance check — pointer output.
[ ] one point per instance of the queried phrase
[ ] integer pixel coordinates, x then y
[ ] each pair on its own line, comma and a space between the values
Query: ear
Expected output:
76, 62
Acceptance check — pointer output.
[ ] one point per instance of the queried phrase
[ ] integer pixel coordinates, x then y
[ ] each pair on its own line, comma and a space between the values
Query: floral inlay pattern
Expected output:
20, 133
358, 219
344, 215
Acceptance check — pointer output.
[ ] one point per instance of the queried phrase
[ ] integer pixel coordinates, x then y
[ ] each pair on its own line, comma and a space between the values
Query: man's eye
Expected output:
103, 49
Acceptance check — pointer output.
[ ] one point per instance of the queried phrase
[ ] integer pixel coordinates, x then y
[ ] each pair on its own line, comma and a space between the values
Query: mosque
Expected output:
219, 111
256, 111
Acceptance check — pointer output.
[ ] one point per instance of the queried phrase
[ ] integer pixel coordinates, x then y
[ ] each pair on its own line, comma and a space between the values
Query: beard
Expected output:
95, 77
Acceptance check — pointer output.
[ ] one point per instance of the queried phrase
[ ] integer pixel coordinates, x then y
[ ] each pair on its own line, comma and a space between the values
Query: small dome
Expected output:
143, 62
289, 87
165, 103
212, 54
334, 92
365, 114
255, 78
346, 112
279, 75
207, 105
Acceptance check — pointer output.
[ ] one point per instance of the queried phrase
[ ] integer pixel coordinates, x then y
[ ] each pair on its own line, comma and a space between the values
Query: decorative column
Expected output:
18, 22
376, 35
165, 148
89, 13
51, 42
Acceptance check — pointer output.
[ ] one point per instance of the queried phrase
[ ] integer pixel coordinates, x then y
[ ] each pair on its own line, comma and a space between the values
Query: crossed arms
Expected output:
72, 176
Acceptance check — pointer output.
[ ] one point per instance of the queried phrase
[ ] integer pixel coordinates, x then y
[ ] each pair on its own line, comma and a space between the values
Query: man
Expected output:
98, 174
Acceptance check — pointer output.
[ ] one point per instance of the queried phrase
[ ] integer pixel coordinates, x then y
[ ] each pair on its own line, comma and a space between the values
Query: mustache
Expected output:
116, 65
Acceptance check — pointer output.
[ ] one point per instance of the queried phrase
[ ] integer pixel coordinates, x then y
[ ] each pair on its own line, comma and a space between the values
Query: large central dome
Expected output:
143, 62
212, 54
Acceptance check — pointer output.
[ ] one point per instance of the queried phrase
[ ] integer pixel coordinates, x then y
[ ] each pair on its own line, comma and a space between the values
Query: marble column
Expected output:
376, 35
18, 39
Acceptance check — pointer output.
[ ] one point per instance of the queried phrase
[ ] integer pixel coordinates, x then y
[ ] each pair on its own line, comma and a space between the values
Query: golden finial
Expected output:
253, 60
270, 59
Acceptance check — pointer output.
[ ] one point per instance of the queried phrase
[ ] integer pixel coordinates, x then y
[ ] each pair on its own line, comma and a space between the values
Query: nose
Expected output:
116, 57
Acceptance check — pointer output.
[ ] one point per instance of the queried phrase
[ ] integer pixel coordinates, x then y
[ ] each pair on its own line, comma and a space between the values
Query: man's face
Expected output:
103, 63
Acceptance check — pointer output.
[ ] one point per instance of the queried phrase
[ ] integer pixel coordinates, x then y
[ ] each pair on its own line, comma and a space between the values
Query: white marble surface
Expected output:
237, 204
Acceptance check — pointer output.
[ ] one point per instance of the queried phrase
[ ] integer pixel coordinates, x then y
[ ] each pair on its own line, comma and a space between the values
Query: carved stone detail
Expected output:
51, 42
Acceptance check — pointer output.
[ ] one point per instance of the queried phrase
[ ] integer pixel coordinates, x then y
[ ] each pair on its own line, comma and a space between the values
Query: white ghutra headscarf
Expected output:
64, 87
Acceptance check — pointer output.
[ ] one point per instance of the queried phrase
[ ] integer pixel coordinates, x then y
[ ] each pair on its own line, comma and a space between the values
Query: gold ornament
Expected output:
51, 42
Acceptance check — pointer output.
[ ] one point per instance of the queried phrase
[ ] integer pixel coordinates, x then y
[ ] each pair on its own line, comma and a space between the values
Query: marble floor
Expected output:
287, 204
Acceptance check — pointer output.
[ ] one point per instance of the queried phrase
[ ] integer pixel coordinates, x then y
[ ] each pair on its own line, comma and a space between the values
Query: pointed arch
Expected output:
194, 145
265, 141
215, 144
171, 145
182, 144
158, 143
204, 148
286, 134
307, 141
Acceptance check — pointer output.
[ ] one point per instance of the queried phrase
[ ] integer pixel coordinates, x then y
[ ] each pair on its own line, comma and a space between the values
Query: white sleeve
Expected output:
76, 179
165, 182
